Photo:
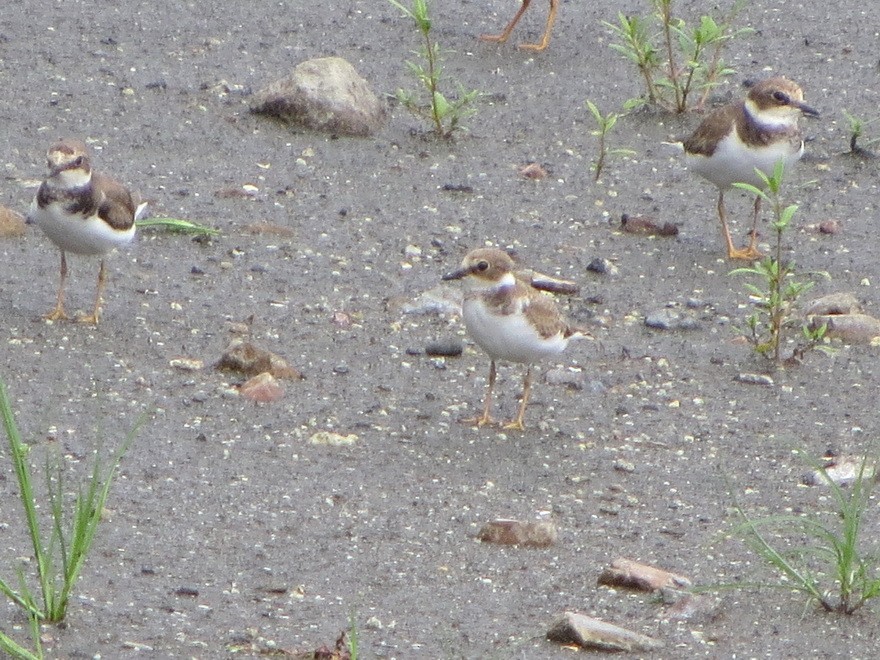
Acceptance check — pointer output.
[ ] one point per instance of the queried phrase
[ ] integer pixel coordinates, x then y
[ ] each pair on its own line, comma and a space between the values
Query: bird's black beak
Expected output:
808, 110
457, 274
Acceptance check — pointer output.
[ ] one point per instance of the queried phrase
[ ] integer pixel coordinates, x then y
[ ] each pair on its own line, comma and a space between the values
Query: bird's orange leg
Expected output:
485, 418
545, 39
753, 250
748, 254
96, 312
517, 424
501, 38
58, 313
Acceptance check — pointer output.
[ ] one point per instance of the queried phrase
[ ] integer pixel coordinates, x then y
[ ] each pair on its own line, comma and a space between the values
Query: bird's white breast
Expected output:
508, 337
733, 161
77, 233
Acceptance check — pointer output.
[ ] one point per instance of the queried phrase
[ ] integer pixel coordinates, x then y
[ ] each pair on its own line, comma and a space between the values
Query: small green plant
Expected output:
831, 569
445, 114
780, 288
61, 552
604, 123
676, 60
353, 643
856, 131
177, 226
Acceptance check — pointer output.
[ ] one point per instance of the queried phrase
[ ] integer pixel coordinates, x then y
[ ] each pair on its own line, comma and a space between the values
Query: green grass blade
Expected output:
177, 226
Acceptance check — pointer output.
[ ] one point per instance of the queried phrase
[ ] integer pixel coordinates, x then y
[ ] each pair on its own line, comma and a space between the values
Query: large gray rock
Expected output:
324, 94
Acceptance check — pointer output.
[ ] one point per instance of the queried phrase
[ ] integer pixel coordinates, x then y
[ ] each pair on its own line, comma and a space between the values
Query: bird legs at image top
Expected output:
486, 418
545, 40
58, 314
749, 253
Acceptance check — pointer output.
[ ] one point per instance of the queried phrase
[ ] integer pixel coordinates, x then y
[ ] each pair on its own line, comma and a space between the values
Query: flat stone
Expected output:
843, 471
590, 633
666, 318
12, 224
645, 226
834, 303
324, 94
603, 266
444, 348
634, 575
850, 328
755, 379
574, 379
515, 532
333, 439
262, 388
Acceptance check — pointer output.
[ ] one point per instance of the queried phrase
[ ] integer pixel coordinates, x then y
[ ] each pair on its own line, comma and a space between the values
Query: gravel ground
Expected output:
228, 530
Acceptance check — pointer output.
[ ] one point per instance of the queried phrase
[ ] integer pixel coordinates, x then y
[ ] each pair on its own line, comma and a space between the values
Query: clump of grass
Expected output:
676, 60
779, 287
821, 556
856, 131
445, 114
604, 125
177, 226
60, 551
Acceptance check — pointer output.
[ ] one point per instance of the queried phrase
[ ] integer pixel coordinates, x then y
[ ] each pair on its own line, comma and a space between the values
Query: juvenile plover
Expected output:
738, 138
82, 212
509, 319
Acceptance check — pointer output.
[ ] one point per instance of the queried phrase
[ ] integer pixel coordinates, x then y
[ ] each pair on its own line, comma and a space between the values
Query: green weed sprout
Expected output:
444, 114
177, 226
856, 130
604, 123
60, 553
674, 59
780, 289
831, 568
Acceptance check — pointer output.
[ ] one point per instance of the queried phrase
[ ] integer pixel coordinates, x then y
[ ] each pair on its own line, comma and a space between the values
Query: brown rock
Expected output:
324, 94
830, 227
852, 328
262, 388
646, 226
12, 224
633, 575
834, 303
548, 283
533, 171
590, 633
515, 532
246, 358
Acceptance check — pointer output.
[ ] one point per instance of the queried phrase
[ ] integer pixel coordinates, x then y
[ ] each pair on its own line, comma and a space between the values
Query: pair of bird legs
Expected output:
541, 45
59, 314
486, 418
751, 252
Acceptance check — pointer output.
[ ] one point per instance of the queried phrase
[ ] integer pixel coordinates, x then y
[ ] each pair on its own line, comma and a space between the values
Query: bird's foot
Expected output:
88, 319
494, 38
750, 253
515, 425
535, 48
479, 422
57, 314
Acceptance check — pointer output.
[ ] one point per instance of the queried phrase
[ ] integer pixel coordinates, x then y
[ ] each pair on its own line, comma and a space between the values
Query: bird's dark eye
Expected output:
483, 265
78, 161
782, 97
